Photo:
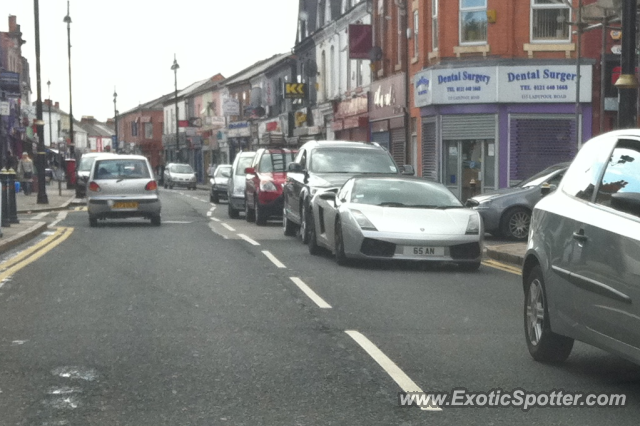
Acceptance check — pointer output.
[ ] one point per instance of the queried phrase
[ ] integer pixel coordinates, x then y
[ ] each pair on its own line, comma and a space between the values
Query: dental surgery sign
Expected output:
501, 84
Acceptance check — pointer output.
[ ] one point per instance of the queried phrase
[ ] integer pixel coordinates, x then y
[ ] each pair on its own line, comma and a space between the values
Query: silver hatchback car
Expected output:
122, 187
582, 265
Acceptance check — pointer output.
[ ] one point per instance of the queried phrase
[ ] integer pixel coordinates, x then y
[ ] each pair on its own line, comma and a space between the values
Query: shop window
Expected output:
549, 21
473, 21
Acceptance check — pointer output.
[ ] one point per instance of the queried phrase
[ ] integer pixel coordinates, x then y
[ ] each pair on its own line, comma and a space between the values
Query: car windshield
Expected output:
86, 163
402, 193
121, 169
243, 163
538, 178
334, 160
182, 168
223, 172
276, 161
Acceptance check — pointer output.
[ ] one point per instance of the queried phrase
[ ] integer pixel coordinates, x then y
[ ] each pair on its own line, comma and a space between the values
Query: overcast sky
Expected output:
130, 44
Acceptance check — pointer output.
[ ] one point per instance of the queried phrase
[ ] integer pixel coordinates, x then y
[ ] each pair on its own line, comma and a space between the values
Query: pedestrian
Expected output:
211, 170
25, 172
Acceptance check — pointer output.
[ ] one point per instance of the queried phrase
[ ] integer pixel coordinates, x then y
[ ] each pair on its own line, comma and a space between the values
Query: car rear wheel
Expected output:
544, 345
249, 214
233, 213
314, 248
341, 258
288, 227
156, 221
93, 221
259, 213
515, 223
215, 199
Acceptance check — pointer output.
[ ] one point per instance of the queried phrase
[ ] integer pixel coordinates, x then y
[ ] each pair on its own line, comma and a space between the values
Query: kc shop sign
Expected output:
501, 84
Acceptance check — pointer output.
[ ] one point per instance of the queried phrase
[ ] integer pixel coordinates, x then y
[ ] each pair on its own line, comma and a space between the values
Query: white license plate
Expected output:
424, 251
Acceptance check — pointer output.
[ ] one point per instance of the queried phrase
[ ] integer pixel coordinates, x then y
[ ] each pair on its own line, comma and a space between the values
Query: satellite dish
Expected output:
310, 68
375, 54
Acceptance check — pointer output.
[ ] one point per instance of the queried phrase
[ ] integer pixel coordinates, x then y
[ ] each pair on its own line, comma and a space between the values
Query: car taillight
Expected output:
151, 186
94, 187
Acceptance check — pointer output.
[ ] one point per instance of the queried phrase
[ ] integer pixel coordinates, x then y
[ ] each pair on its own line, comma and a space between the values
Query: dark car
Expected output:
220, 183
265, 181
326, 164
507, 212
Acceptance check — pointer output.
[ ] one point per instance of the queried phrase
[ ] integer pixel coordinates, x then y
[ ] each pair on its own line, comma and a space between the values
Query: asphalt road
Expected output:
193, 323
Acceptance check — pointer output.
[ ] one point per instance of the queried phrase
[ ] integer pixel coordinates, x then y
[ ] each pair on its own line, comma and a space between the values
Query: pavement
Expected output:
27, 229
511, 253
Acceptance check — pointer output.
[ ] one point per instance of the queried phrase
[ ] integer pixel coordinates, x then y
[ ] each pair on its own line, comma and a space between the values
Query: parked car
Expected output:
507, 212
84, 169
237, 182
219, 183
265, 180
395, 217
325, 164
581, 267
181, 175
120, 187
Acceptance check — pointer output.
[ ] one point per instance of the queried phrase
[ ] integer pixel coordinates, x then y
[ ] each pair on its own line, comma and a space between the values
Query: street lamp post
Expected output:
50, 125
40, 159
627, 83
175, 67
115, 114
67, 19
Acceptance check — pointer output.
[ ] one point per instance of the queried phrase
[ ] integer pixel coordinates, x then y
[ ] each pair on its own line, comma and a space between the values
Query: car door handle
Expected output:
580, 236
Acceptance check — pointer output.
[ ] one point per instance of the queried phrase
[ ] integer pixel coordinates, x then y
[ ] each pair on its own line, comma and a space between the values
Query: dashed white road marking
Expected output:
310, 293
273, 259
249, 240
61, 216
215, 218
212, 208
398, 376
209, 213
40, 215
228, 227
176, 221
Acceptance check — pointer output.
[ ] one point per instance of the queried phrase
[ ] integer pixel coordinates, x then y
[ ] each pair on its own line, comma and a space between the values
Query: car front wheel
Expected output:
314, 248
304, 223
515, 223
341, 258
288, 227
544, 345
259, 213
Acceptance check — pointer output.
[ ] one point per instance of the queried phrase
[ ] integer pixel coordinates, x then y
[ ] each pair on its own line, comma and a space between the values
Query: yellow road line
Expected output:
80, 209
33, 253
502, 266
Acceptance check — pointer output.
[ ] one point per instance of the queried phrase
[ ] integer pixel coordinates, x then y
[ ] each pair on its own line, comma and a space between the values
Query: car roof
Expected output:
396, 177
343, 144
127, 157
271, 150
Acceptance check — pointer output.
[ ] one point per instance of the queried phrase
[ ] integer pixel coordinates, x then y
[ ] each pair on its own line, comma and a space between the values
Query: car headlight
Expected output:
473, 225
364, 223
267, 186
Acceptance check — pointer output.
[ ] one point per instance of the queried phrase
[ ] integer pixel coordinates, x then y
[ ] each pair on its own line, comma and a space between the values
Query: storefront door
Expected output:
469, 162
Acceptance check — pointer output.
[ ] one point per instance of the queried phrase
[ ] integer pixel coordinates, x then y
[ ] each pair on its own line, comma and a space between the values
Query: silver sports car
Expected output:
396, 217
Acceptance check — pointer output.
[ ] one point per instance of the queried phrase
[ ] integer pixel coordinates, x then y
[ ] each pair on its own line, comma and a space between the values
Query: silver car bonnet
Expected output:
416, 220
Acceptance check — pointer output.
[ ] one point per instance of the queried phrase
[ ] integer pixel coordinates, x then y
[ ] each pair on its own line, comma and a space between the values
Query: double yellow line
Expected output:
30, 255
502, 266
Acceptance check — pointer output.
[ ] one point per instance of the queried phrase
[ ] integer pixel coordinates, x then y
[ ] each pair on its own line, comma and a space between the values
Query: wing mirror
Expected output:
547, 188
294, 168
249, 170
212, 181
328, 196
408, 170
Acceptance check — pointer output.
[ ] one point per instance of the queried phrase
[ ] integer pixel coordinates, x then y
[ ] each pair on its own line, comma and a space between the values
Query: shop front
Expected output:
238, 138
351, 119
387, 115
489, 127
306, 128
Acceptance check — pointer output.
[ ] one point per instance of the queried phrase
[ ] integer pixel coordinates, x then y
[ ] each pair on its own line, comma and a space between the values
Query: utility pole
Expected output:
627, 83
40, 159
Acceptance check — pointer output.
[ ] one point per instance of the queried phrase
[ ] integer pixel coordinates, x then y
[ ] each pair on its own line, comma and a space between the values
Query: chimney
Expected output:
57, 105
12, 24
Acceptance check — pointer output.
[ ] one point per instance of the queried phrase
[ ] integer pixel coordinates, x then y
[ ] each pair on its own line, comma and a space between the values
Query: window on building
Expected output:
473, 21
549, 20
324, 75
416, 29
134, 128
382, 23
359, 73
399, 35
148, 130
333, 66
434, 24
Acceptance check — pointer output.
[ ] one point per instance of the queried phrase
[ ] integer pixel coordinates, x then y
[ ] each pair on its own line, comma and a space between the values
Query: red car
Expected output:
265, 179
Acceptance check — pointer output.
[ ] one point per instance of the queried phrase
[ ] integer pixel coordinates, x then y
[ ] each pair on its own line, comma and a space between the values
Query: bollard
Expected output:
13, 209
472, 185
4, 178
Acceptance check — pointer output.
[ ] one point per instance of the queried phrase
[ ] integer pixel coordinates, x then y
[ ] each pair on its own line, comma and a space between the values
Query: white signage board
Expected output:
230, 106
543, 84
4, 108
469, 85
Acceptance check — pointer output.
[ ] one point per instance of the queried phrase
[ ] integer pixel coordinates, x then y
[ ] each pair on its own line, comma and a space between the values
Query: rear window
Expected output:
276, 161
121, 169
182, 168
360, 161
86, 163
243, 163
223, 172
